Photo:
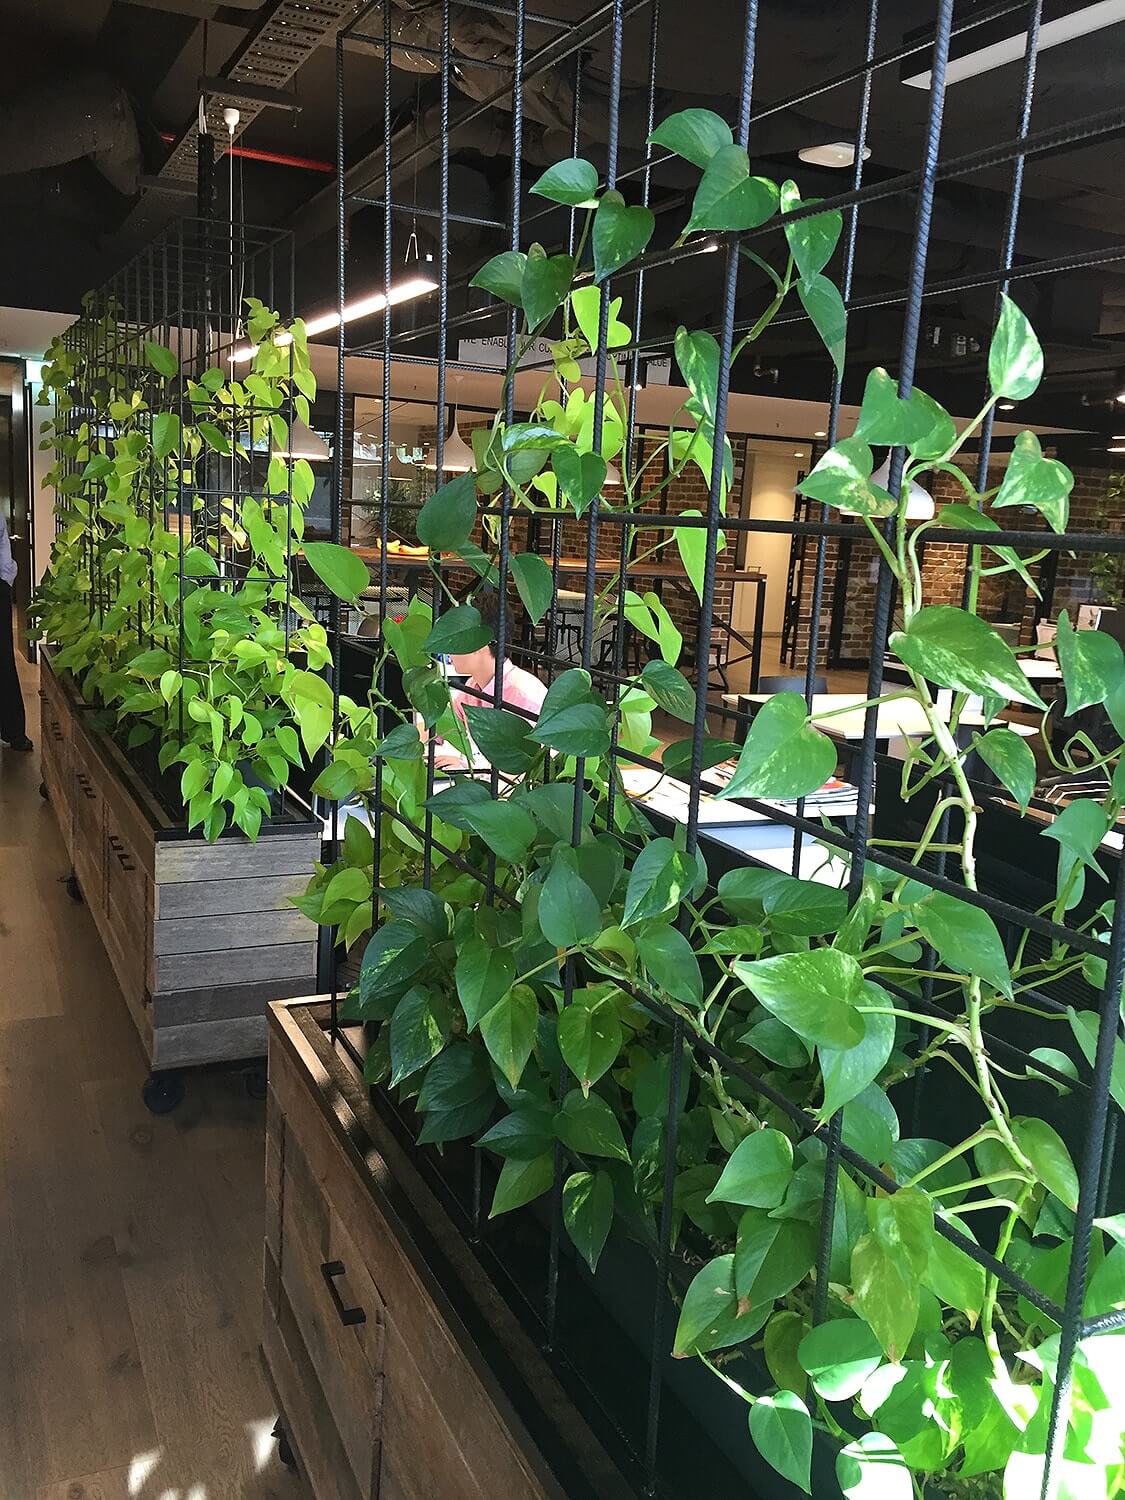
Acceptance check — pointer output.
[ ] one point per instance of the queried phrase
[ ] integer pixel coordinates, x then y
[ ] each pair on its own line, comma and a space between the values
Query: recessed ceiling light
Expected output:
832, 154
1120, 398
820, 434
1006, 405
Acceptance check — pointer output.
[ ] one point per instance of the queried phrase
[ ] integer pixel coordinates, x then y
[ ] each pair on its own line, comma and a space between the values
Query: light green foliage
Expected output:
141, 600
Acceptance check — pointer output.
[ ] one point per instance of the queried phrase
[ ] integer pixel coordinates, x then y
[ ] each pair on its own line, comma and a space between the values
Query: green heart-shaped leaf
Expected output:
1032, 479
546, 281
728, 197
581, 475
1015, 358
459, 629
784, 756
956, 649
825, 307
534, 582
503, 276
842, 477
886, 418
573, 182
621, 232
694, 134
586, 302
811, 240
446, 520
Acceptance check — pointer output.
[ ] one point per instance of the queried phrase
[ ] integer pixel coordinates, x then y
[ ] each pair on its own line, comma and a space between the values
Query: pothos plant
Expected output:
170, 592
516, 1017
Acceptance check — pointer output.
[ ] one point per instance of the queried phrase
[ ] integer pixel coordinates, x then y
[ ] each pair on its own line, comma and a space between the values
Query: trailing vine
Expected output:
541, 1021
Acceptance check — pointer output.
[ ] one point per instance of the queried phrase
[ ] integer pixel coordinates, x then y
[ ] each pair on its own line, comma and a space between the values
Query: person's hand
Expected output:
448, 757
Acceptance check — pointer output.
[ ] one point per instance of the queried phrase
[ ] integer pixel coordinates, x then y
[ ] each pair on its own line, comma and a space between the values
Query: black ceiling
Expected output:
99, 86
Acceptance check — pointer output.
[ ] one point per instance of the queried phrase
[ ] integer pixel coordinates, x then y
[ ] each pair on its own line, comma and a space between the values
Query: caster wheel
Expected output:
285, 1449
43, 792
73, 889
162, 1093
255, 1082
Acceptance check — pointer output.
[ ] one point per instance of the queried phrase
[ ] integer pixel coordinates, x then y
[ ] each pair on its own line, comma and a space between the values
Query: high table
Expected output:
604, 567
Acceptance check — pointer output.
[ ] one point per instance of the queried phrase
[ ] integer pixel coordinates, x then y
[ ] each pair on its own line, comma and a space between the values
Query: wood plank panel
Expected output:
208, 1042
224, 1001
231, 859
126, 818
319, 1450
415, 1253
477, 1435
213, 898
181, 971
347, 1360
416, 1471
240, 930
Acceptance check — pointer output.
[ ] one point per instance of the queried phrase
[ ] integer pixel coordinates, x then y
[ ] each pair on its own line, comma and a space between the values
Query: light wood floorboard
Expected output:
130, 1245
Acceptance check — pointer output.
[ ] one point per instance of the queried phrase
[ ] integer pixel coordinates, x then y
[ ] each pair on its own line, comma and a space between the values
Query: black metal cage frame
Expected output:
560, 44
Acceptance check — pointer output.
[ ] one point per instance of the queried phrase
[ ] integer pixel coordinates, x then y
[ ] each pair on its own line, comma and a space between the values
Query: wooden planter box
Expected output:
200, 935
400, 1371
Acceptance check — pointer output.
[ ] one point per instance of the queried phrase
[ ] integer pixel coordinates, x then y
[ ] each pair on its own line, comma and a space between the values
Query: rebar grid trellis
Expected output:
553, 46
182, 477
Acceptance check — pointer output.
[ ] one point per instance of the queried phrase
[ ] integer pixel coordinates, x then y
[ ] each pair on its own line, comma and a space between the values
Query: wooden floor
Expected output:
130, 1245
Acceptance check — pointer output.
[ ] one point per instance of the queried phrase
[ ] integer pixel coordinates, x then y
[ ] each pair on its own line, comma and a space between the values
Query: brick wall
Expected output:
687, 491
1001, 598
1092, 508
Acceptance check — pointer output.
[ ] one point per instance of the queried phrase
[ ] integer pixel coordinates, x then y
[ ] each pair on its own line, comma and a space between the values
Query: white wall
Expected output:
26, 332
772, 480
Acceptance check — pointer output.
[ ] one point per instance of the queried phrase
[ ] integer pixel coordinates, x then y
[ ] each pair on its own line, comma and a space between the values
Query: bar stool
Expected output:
570, 609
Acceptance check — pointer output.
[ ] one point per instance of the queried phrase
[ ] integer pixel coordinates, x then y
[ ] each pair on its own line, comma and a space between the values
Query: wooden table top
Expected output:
603, 567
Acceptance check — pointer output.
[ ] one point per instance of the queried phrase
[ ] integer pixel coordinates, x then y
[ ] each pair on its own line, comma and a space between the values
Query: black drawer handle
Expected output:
349, 1316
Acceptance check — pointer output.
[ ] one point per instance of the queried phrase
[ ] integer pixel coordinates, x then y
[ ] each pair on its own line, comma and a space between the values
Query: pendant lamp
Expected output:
919, 502
304, 443
457, 457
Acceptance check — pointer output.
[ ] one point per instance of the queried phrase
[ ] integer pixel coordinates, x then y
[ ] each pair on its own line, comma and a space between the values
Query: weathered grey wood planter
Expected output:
400, 1371
201, 936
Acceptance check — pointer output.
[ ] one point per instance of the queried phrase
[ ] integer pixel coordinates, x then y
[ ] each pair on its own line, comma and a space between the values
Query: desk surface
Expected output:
900, 718
1034, 668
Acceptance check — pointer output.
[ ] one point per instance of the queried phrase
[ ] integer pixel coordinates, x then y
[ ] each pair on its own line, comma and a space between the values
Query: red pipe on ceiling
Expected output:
275, 158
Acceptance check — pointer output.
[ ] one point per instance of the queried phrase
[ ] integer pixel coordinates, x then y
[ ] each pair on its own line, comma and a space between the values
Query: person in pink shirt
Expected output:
521, 690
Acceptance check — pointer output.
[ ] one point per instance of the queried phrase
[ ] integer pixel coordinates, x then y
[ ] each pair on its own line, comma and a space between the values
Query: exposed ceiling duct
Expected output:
64, 117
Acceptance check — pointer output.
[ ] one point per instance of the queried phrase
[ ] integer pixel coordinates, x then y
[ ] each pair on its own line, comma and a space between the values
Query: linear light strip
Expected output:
406, 291
1069, 28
